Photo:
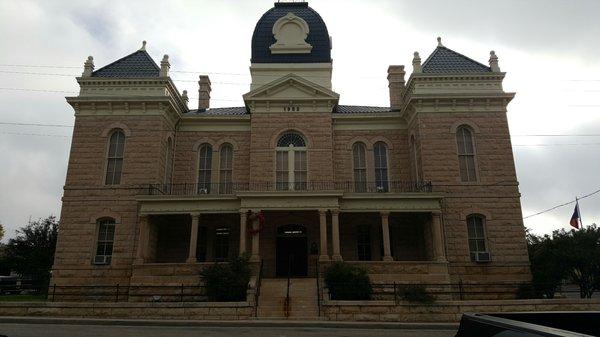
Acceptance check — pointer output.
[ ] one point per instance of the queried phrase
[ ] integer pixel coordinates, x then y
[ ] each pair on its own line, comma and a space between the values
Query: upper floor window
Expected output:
291, 167
476, 233
414, 167
225, 168
204, 168
360, 167
105, 242
466, 154
114, 158
381, 167
169, 162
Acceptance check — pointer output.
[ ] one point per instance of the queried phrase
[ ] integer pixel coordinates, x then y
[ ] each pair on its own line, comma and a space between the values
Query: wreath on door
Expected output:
251, 216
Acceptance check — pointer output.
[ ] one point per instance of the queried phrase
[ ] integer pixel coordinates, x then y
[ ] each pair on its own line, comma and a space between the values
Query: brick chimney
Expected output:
204, 92
396, 85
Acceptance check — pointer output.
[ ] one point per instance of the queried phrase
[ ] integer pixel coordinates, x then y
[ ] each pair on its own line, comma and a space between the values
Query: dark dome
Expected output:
318, 36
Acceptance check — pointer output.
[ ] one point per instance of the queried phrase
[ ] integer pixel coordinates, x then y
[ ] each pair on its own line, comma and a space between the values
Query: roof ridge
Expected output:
439, 49
143, 53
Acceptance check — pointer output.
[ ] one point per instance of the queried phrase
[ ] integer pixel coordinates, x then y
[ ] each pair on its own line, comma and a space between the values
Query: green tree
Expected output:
546, 273
31, 252
579, 256
1, 232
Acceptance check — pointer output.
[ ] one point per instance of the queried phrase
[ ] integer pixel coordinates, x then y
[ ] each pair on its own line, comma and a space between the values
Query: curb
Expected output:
226, 324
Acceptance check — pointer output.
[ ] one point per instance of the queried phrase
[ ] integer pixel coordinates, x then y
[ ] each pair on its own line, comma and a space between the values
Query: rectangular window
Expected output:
114, 158
226, 170
222, 236
360, 167
105, 242
300, 170
364, 243
201, 245
282, 171
475, 229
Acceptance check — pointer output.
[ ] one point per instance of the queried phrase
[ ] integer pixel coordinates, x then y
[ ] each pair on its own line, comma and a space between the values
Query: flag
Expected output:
575, 219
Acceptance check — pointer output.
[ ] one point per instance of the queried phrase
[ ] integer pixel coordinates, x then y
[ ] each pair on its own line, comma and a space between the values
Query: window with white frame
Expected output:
291, 168
169, 162
476, 234
414, 159
114, 158
466, 154
226, 169
105, 241
360, 167
381, 167
204, 168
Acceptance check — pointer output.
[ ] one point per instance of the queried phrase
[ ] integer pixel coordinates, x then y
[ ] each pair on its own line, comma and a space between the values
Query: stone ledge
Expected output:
125, 304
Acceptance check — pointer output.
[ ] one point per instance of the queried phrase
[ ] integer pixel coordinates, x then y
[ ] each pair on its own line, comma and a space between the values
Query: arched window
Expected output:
225, 169
466, 154
414, 159
169, 162
381, 167
360, 167
204, 168
105, 241
291, 165
114, 158
476, 232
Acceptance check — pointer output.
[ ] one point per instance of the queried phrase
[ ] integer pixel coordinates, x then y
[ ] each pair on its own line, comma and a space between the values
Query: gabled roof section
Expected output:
136, 65
447, 61
291, 87
359, 109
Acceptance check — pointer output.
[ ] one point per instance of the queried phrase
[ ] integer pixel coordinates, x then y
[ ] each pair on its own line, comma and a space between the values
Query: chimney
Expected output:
165, 66
396, 84
204, 92
185, 98
88, 67
494, 62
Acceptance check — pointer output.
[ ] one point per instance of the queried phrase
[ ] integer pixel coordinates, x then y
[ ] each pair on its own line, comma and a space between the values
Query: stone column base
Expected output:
388, 258
323, 258
337, 258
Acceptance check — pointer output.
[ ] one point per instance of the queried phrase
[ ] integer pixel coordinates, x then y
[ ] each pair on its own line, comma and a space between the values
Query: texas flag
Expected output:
576, 218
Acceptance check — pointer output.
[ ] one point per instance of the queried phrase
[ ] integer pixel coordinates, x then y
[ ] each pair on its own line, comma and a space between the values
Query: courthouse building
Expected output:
421, 191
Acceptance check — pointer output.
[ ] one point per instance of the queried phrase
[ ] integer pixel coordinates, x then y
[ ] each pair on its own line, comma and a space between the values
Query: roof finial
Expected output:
165, 66
417, 63
88, 67
185, 97
494, 62
143, 45
439, 39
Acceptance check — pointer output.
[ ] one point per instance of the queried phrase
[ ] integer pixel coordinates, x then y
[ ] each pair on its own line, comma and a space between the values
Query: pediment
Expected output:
291, 87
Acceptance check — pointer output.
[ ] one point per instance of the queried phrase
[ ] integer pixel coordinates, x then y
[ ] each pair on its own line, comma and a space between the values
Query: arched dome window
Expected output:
291, 169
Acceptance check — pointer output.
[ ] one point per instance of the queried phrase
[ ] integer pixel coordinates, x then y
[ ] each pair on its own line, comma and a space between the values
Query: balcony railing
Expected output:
186, 189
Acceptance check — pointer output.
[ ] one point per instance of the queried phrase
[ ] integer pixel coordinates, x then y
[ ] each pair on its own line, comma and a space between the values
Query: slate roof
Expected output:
318, 36
240, 110
135, 65
447, 61
230, 111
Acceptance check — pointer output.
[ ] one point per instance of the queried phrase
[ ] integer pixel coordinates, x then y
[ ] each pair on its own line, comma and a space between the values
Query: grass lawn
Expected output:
22, 298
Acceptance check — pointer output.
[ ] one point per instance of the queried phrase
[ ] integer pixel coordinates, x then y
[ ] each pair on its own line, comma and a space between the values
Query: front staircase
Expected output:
303, 299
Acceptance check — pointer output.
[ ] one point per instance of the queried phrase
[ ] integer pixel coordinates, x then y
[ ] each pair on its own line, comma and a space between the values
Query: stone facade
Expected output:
405, 220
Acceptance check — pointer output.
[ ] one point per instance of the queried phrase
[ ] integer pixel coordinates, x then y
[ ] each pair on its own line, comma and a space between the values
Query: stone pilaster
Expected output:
385, 230
335, 233
193, 238
324, 256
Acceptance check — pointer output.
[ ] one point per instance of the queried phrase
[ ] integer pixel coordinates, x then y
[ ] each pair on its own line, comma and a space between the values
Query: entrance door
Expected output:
292, 255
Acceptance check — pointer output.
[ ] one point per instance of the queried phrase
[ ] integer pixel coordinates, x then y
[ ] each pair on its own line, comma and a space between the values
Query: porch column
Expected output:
335, 233
439, 253
143, 239
324, 256
243, 219
193, 237
385, 230
255, 257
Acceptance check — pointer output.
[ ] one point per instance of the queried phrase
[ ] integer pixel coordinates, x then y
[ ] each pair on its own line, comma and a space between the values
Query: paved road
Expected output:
62, 330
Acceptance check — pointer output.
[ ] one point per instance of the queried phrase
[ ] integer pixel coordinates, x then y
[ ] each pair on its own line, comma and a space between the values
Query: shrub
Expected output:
227, 282
348, 283
416, 293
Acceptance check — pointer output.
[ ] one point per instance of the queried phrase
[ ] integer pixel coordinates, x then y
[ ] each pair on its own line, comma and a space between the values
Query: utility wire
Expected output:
561, 205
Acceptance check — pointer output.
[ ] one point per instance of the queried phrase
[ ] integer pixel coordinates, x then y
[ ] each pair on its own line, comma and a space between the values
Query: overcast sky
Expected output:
549, 49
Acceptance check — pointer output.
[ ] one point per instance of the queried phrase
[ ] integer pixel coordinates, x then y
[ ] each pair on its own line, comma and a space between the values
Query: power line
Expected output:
561, 205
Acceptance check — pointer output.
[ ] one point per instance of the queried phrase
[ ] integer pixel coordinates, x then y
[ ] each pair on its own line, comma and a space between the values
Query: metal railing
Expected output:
131, 293
318, 289
257, 290
186, 189
287, 306
424, 292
